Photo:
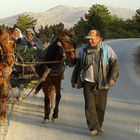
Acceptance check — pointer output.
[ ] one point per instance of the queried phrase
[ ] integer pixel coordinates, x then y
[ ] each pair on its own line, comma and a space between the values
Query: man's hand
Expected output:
74, 85
26, 46
111, 83
33, 43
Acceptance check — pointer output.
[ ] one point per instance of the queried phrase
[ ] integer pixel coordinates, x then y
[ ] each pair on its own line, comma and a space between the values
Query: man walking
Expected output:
98, 68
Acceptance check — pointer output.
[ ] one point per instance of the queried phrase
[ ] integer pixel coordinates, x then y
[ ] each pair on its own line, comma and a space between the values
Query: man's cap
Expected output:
90, 37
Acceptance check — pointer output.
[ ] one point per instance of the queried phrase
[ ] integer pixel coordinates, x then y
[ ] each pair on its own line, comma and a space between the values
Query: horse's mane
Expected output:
52, 50
6, 47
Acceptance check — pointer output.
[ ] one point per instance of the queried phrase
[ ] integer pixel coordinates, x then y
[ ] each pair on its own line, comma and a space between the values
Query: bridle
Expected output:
66, 38
66, 51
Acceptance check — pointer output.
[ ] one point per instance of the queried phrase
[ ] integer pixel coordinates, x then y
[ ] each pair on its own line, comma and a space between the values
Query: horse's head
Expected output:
68, 45
6, 47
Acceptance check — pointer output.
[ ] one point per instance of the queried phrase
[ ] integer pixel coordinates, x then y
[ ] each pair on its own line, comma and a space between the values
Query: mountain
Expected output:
122, 12
66, 14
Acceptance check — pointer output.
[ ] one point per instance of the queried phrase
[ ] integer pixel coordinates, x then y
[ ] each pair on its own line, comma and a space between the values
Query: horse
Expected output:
60, 53
6, 60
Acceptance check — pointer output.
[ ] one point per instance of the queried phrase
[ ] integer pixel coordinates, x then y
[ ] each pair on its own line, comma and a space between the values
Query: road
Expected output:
122, 118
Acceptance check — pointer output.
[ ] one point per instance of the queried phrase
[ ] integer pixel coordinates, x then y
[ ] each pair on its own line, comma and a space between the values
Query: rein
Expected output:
36, 63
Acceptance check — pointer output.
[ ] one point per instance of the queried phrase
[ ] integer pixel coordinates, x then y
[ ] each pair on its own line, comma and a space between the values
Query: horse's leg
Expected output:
51, 96
47, 107
3, 104
57, 100
46, 103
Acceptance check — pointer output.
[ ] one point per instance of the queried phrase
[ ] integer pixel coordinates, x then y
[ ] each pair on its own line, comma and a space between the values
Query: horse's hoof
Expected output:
45, 121
54, 119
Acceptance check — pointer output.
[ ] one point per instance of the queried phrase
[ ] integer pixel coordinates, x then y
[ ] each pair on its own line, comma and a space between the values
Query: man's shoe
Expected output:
93, 133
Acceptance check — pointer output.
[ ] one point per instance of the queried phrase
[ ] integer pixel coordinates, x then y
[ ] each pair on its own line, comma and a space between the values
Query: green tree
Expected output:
137, 16
80, 30
98, 17
55, 29
46, 33
133, 26
116, 28
25, 21
136, 20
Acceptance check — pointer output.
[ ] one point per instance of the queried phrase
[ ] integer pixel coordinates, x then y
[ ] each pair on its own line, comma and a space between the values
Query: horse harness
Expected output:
3, 58
65, 51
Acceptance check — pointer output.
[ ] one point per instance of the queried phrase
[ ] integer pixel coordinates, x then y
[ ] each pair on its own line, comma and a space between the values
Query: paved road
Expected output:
122, 120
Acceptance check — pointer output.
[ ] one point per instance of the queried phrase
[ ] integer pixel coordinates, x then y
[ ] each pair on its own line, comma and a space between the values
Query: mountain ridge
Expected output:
65, 14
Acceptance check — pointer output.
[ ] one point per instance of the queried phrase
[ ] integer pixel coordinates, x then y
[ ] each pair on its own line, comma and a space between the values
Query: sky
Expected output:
13, 7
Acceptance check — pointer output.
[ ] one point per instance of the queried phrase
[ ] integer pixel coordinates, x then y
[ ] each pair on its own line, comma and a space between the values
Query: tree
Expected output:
46, 33
25, 21
80, 30
136, 20
56, 28
98, 17
133, 26
116, 28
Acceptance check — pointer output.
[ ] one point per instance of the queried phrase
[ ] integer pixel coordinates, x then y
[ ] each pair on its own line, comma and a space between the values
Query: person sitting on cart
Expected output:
31, 41
18, 37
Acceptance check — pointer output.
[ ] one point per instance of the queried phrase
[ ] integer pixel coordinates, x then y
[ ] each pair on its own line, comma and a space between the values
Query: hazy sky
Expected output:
12, 7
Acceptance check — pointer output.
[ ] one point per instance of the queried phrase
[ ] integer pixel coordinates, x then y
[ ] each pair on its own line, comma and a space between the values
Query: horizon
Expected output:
44, 5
